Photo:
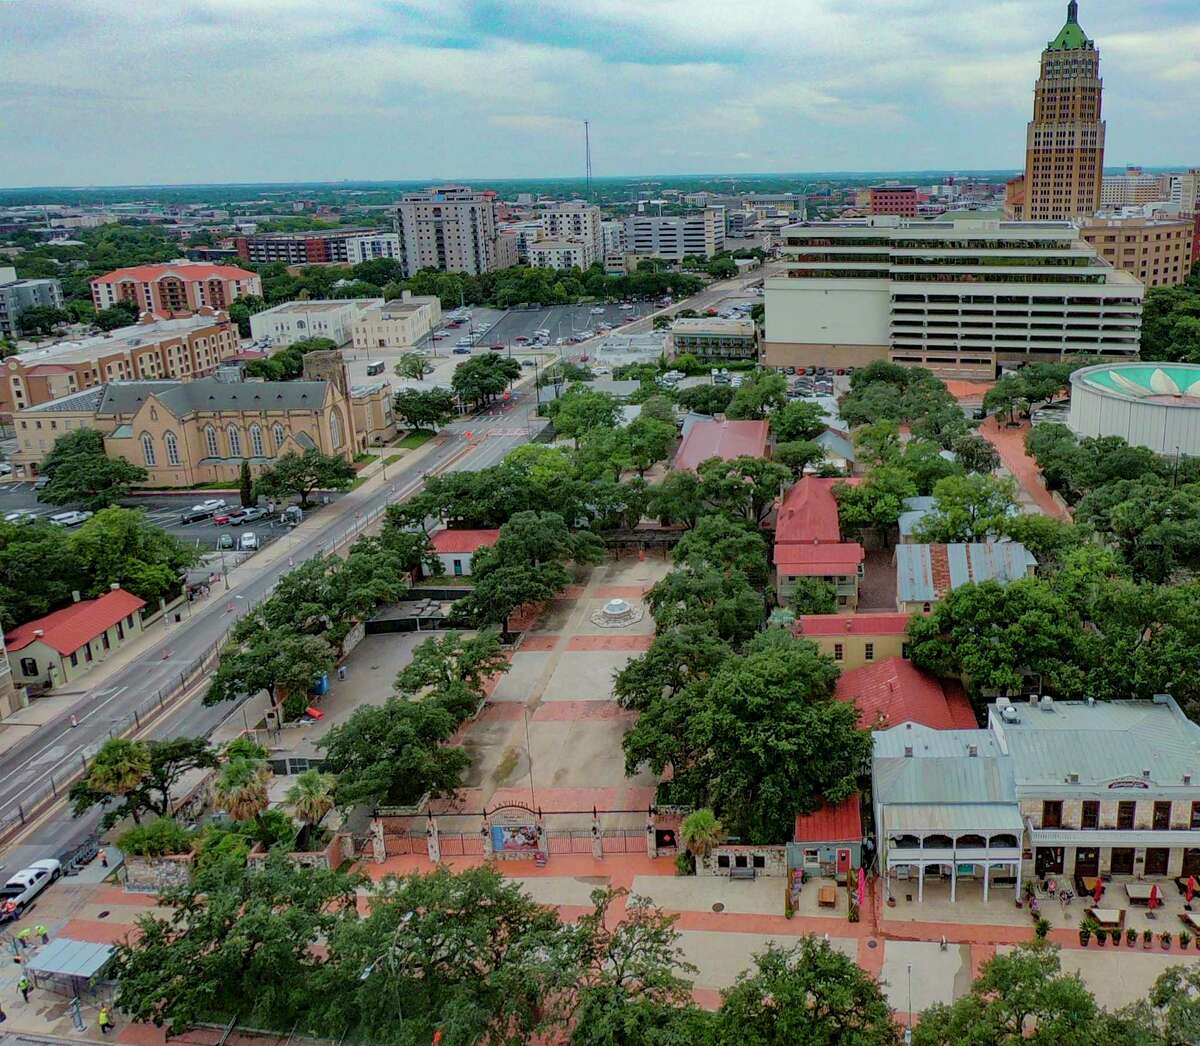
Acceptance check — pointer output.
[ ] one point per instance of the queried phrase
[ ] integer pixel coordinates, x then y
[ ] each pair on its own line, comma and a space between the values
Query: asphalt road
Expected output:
55, 747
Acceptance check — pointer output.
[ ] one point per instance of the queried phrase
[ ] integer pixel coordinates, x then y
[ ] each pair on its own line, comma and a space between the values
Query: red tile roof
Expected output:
866, 624
721, 439
819, 560
809, 512
840, 823
189, 272
68, 629
893, 691
463, 540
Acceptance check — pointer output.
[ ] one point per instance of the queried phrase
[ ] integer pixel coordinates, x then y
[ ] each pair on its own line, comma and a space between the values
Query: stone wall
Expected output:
338, 849
156, 874
773, 860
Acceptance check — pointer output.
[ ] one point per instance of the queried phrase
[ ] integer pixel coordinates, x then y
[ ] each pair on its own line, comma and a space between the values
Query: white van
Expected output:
248, 542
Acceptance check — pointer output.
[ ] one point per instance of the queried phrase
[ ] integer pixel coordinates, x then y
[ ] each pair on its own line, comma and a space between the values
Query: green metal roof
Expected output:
1071, 36
1139, 381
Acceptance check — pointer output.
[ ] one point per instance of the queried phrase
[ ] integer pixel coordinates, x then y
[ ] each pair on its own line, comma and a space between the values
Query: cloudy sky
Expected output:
120, 91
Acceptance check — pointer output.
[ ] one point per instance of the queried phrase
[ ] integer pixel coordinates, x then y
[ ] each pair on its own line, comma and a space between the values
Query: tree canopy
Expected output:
301, 474
81, 474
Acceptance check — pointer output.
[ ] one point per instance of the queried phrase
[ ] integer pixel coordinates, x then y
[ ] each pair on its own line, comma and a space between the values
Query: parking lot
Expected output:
163, 510
562, 321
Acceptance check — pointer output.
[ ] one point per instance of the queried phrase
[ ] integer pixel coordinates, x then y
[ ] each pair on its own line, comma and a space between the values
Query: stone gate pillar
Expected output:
378, 851
433, 842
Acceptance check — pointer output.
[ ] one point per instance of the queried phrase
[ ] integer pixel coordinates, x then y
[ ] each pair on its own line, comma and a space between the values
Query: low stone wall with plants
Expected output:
157, 874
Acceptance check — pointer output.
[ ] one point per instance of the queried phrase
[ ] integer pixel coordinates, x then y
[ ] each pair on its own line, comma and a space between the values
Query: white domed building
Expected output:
1147, 404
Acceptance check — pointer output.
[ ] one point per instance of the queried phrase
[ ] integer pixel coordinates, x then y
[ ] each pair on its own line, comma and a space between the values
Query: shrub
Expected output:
685, 863
1147, 937
157, 838
1165, 938
1185, 938
1041, 928
1131, 937
1085, 935
1101, 937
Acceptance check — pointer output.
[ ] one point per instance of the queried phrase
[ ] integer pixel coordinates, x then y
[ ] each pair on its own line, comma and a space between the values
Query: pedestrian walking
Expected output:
103, 858
104, 1020
43, 933
3, 1015
23, 987
23, 936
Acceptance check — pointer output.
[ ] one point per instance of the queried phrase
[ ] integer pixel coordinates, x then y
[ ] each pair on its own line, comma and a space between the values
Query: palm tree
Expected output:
119, 767
311, 797
700, 832
241, 788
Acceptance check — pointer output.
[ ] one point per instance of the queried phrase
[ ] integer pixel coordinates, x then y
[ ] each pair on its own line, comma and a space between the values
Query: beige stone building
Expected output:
1158, 251
186, 433
11, 698
396, 324
1064, 146
183, 349
374, 414
66, 644
449, 227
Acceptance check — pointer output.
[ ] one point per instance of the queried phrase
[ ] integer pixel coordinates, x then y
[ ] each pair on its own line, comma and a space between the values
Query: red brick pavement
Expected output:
632, 642
533, 644
620, 591
1010, 445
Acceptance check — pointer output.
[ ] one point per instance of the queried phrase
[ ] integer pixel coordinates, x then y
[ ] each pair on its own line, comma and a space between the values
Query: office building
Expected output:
451, 228
1064, 145
895, 199
176, 288
525, 232
561, 254
575, 220
195, 432
370, 247
184, 348
613, 234
294, 321
311, 247
1134, 188
1158, 251
18, 295
397, 324
711, 337
699, 235
964, 297
1184, 190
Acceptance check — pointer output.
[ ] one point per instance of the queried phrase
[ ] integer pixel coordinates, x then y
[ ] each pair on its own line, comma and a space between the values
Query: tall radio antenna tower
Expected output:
587, 149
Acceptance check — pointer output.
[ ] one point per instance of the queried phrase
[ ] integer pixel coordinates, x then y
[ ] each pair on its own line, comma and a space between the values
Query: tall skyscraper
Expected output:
1064, 145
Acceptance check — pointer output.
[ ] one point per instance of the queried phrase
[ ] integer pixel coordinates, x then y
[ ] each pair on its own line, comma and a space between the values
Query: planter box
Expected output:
156, 874
331, 857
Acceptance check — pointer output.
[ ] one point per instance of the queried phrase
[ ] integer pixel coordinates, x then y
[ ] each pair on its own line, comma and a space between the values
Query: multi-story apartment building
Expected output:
448, 227
18, 295
1134, 188
185, 348
711, 337
507, 254
575, 220
561, 254
1070, 789
675, 238
895, 199
312, 247
526, 232
293, 321
397, 324
613, 234
964, 297
1185, 190
176, 288
369, 247
1064, 145
1158, 251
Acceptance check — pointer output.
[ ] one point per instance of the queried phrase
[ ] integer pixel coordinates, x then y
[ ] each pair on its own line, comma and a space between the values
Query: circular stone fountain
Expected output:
617, 613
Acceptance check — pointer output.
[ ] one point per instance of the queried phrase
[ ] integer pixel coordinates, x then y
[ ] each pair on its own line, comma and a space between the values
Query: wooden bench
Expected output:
741, 873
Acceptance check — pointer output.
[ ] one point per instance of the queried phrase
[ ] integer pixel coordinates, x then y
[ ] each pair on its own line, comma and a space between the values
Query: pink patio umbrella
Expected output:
862, 888
1190, 889
1153, 901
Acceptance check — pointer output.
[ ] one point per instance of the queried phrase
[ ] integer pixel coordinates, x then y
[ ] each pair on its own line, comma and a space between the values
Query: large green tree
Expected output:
119, 546
425, 408
968, 508
761, 393
746, 486
725, 544
453, 660
797, 420
301, 474
579, 411
82, 474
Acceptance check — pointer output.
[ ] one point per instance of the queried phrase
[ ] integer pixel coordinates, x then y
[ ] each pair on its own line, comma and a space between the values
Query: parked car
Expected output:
597, 311
211, 505
5, 468
225, 543
195, 515
70, 519
249, 515
222, 517
22, 516
19, 892
462, 350
292, 515
248, 542
528, 363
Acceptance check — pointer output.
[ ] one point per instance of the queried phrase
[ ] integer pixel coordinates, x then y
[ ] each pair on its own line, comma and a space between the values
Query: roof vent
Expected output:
972, 750
1009, 714
1091, 701
1146, 772
39, 632
114, 586
1047, 703
1187, 778
1073, 778
908, 751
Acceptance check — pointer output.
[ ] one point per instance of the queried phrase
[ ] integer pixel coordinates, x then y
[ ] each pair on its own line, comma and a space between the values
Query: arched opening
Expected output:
148, 452
172, 445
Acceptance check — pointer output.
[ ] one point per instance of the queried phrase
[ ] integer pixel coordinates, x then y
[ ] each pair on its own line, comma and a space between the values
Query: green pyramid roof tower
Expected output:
1071, 36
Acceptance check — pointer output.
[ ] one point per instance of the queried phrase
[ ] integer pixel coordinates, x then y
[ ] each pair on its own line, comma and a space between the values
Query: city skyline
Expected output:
267, 91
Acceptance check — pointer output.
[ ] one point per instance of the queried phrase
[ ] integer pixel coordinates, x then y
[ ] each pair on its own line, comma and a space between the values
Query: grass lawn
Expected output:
414, 440
391, 459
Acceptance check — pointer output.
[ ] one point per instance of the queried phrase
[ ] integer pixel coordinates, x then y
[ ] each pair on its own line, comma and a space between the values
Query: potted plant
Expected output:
1101, 937
1165, 938
1185, 939
1041, 928
1085, 935
1116, 938
1147, 938
1131, 937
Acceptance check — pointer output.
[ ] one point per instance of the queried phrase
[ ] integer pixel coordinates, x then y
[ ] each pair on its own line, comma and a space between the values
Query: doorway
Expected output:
1048, 860
1156, 860
1087, 861
1122, 860
1191, 863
